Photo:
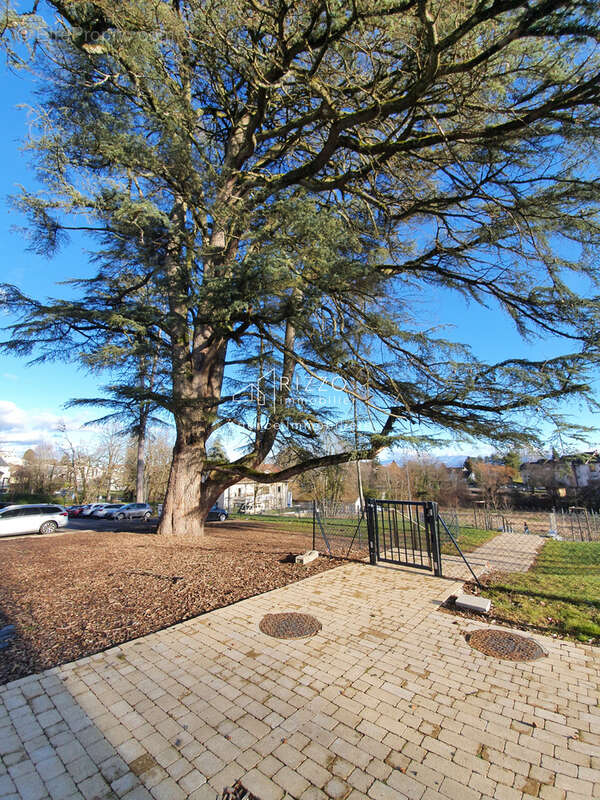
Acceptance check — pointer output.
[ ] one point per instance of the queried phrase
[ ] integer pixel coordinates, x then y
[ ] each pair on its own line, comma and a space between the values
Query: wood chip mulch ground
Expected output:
77, 593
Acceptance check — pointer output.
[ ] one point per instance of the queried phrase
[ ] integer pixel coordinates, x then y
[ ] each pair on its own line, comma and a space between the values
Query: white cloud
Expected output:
11, 416
20, 428
8, 376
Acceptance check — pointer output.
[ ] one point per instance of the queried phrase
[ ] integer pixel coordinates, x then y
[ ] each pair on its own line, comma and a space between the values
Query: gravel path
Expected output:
510, 552
507, 552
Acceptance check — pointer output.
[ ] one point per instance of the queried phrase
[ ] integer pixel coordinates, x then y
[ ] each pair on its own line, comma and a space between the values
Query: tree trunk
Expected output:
181, 512
188, 499
141, 466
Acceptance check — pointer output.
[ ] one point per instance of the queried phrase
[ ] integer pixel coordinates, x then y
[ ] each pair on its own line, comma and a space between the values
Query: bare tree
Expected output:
110, 457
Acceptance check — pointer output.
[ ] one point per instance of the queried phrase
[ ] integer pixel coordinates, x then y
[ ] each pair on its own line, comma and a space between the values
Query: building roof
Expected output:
585, 457
269, 468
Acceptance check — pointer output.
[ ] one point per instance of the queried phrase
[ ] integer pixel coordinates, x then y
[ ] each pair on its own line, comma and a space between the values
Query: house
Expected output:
5, 469
577, 471
262, 496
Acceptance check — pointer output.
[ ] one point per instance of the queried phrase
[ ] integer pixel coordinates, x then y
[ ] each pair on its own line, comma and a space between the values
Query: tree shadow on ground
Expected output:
545, 595
20, 649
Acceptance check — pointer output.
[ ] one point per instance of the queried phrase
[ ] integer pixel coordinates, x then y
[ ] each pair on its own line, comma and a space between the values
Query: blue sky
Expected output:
32, 398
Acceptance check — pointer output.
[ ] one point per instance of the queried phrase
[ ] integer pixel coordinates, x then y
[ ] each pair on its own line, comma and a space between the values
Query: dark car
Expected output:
217, 513
131, 511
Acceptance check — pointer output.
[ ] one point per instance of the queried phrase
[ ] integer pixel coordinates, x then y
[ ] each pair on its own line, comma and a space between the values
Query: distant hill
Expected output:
450, 460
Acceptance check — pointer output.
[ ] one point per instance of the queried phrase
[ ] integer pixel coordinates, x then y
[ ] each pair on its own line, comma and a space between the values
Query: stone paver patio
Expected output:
387, 701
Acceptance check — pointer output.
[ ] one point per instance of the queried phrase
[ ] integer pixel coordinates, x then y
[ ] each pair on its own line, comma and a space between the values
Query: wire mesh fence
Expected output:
334, 529
342, 530
575, 524
450, 531
487, 519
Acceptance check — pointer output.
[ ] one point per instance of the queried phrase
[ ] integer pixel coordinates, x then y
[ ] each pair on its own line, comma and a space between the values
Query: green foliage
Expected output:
25, 498
217, 452
270, 187
512, 460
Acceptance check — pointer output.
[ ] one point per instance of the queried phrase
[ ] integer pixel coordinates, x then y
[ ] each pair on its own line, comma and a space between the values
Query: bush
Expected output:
22, 498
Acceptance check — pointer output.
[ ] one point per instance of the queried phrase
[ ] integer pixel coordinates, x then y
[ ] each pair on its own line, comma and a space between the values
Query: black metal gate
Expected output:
404, 532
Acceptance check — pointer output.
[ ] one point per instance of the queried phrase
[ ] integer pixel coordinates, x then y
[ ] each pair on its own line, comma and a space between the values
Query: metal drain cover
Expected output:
504, 644
289, 625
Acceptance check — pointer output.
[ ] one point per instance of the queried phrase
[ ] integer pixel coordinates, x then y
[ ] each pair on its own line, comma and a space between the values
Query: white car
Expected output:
90, 510
106, 509
32, 519
251, 508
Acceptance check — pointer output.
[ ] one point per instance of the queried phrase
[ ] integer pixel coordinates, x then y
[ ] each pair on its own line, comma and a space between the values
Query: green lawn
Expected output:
469, 539
561, 593
292, 523
333, 527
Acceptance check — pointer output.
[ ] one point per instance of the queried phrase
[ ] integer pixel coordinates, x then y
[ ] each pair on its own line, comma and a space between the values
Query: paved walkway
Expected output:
507, 552
387, 701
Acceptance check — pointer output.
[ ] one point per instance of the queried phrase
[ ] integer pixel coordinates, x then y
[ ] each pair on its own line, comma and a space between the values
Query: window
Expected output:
14, 512
29, 512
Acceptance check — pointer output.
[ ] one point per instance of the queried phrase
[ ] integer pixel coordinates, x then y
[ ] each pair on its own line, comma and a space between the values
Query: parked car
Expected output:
96, 508
107, 509
74, 511
89, 509
251, 508
131, 511
217, 513
39, 518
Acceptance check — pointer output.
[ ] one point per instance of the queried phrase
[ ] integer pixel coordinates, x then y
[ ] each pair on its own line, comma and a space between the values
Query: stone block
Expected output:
469, 602
306, 558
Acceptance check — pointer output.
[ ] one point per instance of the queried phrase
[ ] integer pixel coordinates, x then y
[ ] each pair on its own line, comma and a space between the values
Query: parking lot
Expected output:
93, 524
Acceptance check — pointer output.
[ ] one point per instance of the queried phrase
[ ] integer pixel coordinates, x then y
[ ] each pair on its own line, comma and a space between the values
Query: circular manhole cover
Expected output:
504, 644
290, 625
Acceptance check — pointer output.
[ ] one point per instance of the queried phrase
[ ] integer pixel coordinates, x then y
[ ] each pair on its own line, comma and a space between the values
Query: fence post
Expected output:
371, 533
587, 523
434, 538
314, 524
